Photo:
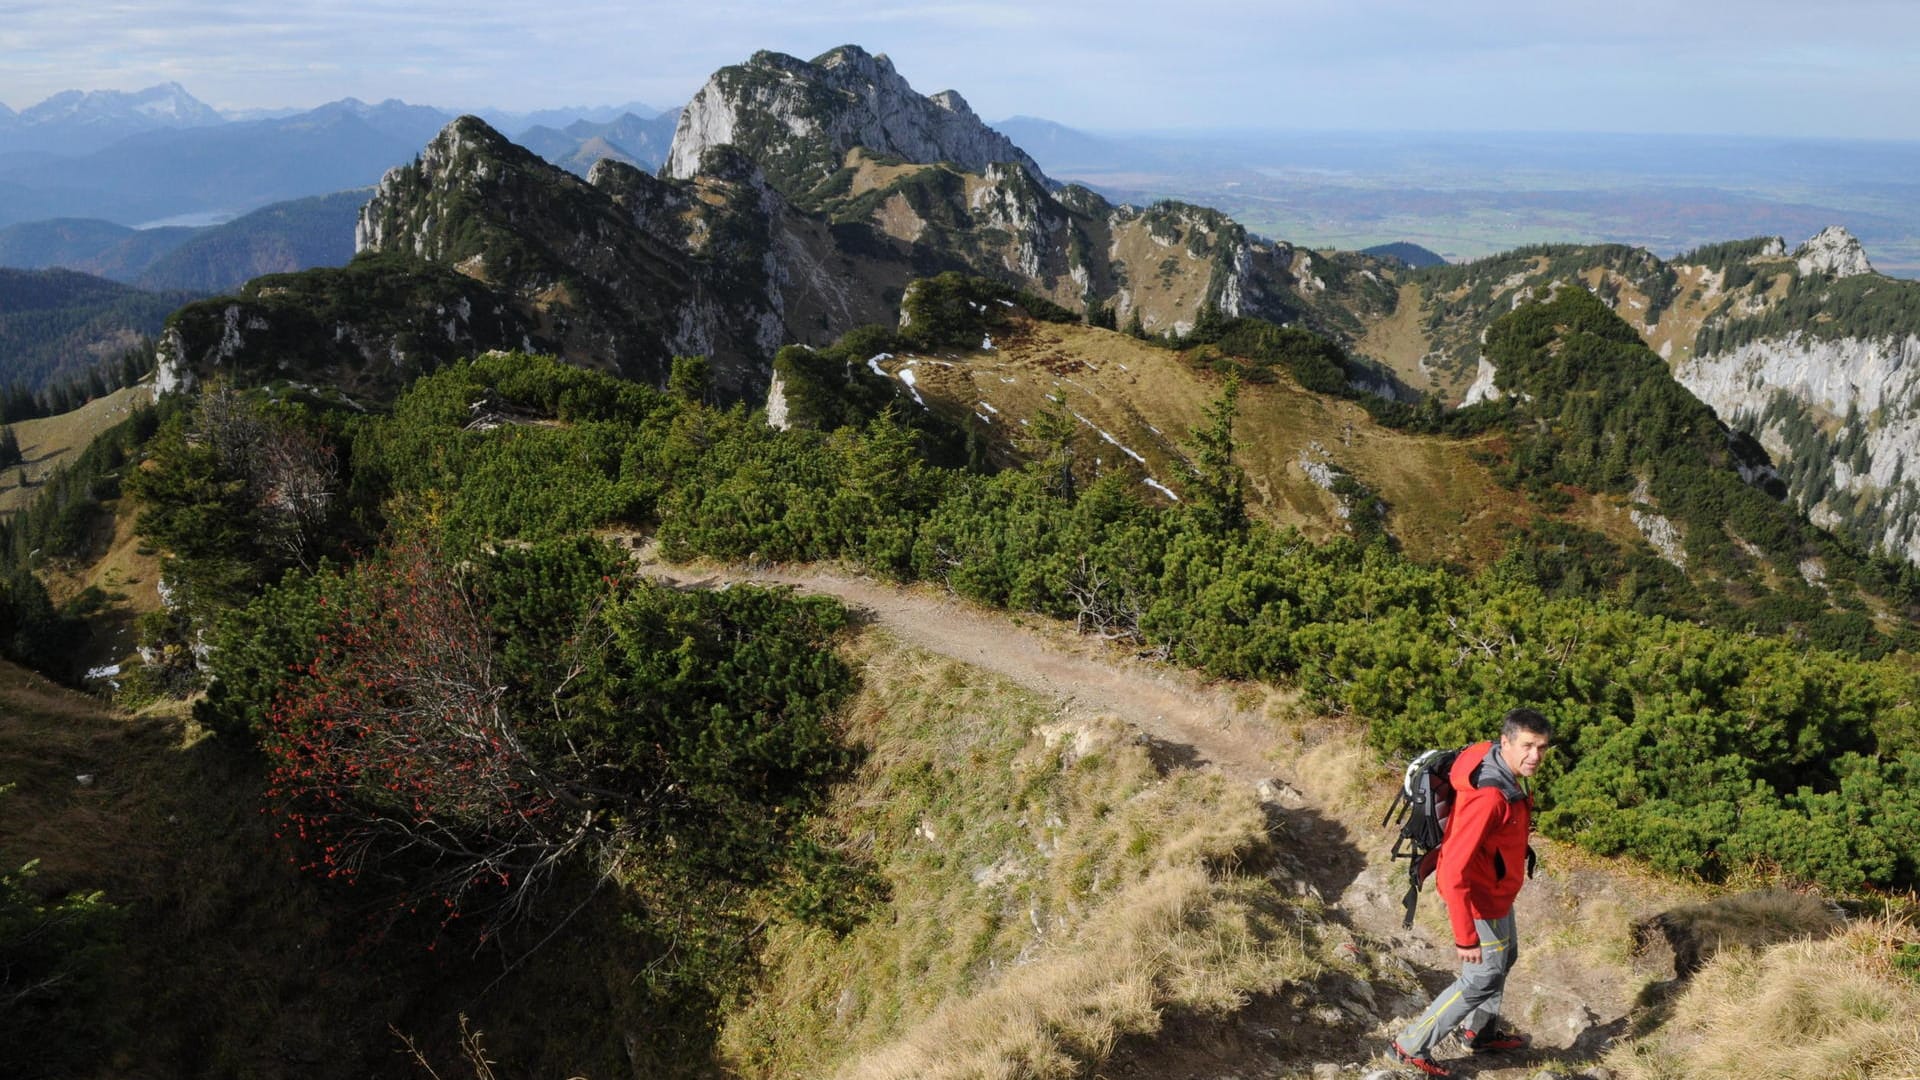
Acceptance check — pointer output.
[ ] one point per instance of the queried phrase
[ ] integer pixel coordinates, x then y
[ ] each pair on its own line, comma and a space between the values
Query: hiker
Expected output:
1483, 863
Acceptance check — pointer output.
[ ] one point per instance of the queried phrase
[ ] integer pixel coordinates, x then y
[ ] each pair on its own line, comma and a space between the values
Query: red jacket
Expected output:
1483, 860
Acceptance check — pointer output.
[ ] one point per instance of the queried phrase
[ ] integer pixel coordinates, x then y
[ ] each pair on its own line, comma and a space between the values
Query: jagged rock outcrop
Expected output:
367, 328
606, 293
1833, 251
798, 119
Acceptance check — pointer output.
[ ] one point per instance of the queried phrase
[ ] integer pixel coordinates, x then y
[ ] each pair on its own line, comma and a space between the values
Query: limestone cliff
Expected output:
798, 119
1841, 419
1808, 350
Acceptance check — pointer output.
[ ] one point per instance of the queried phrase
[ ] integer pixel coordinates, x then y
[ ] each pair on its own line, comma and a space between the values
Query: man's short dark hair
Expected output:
1527, 720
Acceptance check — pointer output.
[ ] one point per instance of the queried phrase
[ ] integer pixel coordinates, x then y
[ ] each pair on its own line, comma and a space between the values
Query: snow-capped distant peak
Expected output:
165, 105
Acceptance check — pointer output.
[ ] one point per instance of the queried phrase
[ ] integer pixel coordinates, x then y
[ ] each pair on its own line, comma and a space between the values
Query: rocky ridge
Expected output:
805, 197
799, 118
1807, 350
1841, 417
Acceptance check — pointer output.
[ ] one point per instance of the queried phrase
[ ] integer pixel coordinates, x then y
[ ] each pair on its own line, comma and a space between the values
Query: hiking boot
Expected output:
1493, 1041
1419, 1061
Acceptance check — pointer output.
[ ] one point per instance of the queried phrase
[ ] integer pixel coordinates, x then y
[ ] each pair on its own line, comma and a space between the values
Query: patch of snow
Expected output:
1156, 485
106, 672
986, 343
984, 418
1006, 303
989, 407
906, 376
1109, 438
874, 363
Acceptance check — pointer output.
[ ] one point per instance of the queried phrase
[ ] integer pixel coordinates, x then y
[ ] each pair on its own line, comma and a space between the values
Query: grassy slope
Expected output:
1052, 890
228, 969
1442, 503
52, 441
1839, 1005
129, 572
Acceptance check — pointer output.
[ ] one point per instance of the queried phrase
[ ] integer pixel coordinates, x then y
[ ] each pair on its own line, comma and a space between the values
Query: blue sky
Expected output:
1767, 67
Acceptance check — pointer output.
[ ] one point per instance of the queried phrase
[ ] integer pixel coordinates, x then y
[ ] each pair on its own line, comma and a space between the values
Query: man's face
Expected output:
1523, 751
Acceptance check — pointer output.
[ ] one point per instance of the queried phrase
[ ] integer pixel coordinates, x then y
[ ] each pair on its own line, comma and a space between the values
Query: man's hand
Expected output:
1468, 956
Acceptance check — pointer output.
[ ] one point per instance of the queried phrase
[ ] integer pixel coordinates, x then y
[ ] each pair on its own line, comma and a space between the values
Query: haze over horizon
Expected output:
1759, 67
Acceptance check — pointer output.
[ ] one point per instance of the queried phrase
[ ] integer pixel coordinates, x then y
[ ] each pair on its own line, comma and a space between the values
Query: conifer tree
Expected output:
9, 448
1219, 486
1052, 435
690, 378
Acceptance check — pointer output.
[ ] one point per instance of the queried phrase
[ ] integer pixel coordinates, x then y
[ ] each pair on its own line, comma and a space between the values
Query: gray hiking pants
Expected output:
1473, 1001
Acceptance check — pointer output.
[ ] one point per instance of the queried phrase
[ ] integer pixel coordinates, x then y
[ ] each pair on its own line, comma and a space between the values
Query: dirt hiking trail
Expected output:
1573, 985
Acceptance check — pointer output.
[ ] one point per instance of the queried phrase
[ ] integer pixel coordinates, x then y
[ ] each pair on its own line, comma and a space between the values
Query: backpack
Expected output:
1424, 804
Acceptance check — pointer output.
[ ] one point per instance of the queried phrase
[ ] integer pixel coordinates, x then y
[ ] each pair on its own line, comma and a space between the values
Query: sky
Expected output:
1842, 68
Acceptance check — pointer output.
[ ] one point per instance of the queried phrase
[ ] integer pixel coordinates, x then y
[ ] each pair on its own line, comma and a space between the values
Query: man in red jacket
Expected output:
1483, 863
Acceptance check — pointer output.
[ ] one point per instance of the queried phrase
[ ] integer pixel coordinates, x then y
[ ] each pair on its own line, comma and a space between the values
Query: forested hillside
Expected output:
58, 327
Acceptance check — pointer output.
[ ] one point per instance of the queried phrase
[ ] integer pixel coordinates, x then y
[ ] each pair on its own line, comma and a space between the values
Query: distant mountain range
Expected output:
157, 155
77, 121
630, 139
296, 235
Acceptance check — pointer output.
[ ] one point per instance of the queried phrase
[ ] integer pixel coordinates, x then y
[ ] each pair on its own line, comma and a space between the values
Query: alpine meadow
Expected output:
785, 588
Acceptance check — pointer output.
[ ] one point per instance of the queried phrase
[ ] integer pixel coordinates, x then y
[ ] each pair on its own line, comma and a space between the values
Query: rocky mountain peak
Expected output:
860, 64
165, 105
467, 158
1833, 251
798, 119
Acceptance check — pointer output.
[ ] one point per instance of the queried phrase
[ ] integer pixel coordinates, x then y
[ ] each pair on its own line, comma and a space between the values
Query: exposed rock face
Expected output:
1841, 416
799, 119
621, 270
367, 328
1833, 251
1484, 387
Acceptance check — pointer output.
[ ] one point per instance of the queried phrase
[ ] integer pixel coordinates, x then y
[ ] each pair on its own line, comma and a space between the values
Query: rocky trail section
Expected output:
1572, 991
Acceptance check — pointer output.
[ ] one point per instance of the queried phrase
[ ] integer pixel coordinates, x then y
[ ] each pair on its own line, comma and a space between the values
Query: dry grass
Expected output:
129, 574
1174, 940
1832, 1009
1401, 341
1343, 775
53, 441
1750, 920
1051, 891
1443, 505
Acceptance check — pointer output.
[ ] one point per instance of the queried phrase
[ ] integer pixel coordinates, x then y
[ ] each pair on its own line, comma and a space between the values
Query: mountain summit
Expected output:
76, 121
798, 119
